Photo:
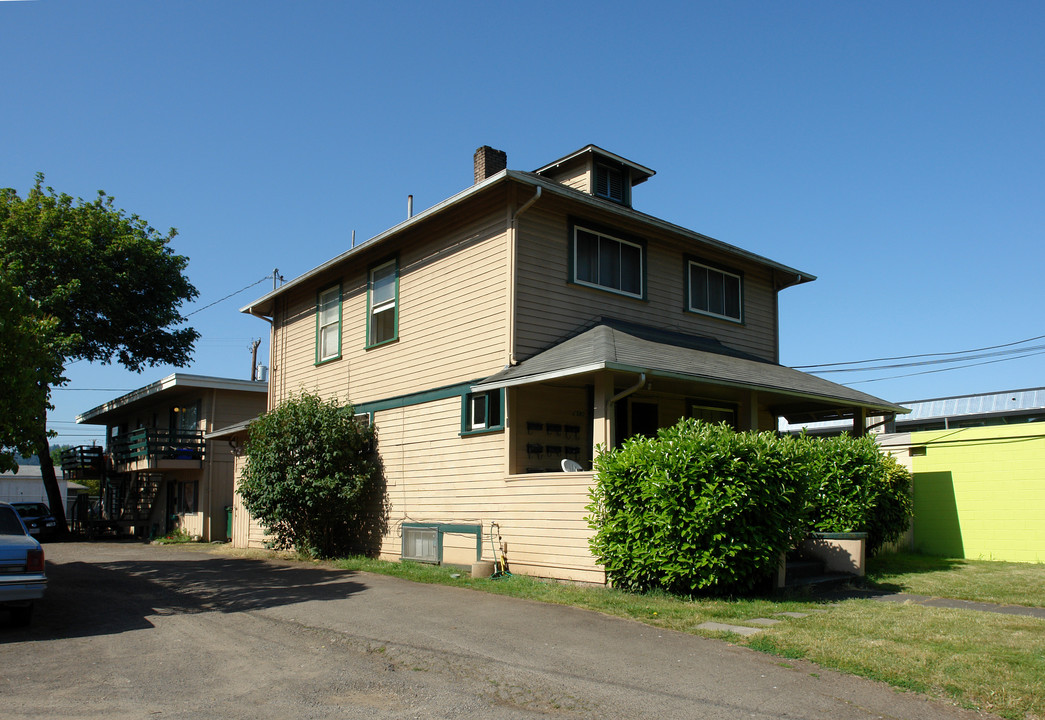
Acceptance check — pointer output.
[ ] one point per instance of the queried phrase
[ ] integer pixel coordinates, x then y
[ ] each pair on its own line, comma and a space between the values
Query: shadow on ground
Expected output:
98, 598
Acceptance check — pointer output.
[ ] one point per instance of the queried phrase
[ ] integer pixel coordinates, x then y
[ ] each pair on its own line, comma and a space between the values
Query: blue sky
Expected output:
893, 149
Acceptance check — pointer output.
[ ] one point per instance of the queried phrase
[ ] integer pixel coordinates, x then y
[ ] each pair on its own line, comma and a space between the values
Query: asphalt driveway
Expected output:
136, 631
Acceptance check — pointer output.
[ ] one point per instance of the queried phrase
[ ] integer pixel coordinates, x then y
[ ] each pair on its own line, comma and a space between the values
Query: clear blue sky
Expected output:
893, 149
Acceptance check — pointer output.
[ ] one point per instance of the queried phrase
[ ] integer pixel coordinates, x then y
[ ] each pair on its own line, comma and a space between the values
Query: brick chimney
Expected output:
489, 162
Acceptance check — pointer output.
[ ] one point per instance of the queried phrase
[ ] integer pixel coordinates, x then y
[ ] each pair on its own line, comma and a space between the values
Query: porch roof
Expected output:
627, 347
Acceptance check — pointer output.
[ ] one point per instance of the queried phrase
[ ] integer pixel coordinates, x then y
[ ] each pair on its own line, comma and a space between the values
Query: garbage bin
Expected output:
228, 523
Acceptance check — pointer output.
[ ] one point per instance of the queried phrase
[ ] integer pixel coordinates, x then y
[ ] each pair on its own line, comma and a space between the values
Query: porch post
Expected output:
859, 422
752, 411
602, 425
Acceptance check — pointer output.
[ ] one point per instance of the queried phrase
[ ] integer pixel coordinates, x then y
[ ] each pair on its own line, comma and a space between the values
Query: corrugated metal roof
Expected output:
998, 403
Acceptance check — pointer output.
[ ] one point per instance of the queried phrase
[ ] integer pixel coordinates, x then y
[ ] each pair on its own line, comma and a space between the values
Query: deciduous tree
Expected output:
109, 282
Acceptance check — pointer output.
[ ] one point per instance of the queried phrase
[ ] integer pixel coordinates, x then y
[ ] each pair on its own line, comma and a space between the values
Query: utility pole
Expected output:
254, 360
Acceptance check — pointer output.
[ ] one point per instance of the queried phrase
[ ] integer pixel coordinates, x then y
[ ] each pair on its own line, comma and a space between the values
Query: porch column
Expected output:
602, 425
859, 422
752, 411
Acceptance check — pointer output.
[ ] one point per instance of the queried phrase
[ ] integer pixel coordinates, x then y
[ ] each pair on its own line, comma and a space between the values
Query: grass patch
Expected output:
977, 580
985, 661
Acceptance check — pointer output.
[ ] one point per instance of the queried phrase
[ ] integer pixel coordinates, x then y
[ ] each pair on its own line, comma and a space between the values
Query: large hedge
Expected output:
855, 487
704, 509
698, 508
313, 478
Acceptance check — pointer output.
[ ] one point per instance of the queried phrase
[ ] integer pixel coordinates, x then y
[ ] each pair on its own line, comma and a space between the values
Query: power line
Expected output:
248, 287
911, 357
69, 389
930, 372
943, 361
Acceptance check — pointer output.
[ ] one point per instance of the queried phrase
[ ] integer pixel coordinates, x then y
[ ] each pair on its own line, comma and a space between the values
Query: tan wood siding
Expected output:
436, 475
550, 308
452, 318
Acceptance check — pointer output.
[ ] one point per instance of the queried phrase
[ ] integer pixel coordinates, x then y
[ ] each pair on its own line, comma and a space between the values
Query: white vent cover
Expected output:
421, 544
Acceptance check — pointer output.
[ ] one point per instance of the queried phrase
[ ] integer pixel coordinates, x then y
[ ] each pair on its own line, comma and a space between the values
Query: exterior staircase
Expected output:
138, 496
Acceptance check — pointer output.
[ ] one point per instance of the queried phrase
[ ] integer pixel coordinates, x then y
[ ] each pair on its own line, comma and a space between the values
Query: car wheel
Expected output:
22, 615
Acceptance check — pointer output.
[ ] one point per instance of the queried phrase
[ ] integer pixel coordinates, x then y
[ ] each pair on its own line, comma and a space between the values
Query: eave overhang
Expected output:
785, 276
176, 382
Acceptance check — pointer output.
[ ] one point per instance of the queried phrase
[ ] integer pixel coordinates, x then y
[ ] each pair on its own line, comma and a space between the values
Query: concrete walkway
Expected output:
757, 625
937, 602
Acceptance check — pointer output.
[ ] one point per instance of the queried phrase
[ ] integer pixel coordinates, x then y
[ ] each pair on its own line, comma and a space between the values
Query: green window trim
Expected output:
630, 250
732, 290
482, 412
326, 348
382, 311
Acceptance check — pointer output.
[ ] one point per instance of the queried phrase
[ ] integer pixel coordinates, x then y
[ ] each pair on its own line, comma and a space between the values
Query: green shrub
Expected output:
699, 508
312, 477
855, 487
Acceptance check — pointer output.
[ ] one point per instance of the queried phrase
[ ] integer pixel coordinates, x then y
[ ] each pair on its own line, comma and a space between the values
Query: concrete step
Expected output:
821, 582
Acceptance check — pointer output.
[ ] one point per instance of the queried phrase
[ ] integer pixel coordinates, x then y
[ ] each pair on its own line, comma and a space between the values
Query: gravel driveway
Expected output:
135, 631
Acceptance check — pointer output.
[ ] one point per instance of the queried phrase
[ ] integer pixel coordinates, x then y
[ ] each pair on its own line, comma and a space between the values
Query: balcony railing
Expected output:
158, 444
83, 461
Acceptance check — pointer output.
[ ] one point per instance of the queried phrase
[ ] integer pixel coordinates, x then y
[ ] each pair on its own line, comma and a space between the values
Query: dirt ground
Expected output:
136, 631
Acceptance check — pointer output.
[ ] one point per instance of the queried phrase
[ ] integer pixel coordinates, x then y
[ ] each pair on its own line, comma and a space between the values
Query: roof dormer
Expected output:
598, 172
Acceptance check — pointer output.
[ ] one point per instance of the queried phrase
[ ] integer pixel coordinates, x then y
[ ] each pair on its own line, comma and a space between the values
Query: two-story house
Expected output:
160, 472
502, 336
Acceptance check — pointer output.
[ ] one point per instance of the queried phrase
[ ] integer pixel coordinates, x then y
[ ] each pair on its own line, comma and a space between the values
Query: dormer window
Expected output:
610, 183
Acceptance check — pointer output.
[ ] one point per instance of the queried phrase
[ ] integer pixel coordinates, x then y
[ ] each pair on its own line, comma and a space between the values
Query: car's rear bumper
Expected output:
22, 588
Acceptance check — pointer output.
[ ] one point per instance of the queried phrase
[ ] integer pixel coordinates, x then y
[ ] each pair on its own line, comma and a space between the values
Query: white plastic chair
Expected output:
571, 465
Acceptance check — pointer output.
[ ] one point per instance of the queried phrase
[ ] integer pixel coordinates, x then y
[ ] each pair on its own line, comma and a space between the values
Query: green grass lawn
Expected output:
980, 580
979, 660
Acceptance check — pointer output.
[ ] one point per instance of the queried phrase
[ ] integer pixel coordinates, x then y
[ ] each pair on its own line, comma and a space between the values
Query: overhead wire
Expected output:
923, 355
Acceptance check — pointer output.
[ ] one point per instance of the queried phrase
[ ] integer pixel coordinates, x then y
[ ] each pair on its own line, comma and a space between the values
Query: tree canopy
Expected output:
91, 283
30, 363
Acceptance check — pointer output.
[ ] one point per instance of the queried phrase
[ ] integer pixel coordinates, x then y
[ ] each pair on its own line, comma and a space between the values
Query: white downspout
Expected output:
634, 388
513, 250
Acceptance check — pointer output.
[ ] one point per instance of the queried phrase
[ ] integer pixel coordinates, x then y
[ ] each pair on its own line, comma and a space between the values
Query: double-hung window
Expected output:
383, 303
714, 291
608, 262
328, 324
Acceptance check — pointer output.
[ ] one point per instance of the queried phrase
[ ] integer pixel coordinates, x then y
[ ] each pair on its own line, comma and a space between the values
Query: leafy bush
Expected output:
313, 478
699, 508
855, 487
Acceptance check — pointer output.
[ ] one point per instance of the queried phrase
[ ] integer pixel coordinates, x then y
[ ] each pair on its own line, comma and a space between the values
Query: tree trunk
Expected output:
54, 493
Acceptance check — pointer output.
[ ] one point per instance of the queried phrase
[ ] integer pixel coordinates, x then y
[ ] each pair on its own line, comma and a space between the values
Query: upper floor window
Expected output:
328, 324
383, 303
714, 291
609, 183
608, 262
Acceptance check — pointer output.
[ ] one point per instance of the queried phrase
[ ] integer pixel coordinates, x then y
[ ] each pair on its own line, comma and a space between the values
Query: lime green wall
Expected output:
980, 492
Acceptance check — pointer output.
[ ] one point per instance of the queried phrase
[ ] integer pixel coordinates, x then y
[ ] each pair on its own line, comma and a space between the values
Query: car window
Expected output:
9, 523
31, 510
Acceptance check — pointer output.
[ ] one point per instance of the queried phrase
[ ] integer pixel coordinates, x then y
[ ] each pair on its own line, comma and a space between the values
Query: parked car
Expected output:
37, 518
22, 576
